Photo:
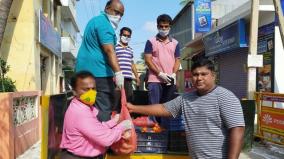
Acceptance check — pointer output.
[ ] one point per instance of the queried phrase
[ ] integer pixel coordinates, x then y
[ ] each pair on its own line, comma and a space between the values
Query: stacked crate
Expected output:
149, 142
177, 137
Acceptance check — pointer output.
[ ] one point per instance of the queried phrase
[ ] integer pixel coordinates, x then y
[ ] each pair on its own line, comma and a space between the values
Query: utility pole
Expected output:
251, 85
279, 13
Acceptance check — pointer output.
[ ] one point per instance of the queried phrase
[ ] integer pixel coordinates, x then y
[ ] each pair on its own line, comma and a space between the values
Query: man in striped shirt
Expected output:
124, 54
214, 121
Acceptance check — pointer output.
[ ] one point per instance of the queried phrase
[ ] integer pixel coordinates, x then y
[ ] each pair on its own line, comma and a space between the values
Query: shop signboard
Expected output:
230, 37
48, 36
271, 119
265, 47
202, 16
270, 123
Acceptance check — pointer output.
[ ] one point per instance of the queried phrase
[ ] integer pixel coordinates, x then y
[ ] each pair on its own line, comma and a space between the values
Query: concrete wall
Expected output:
17, 134
279, 65
223, 7
18, 45
6, 131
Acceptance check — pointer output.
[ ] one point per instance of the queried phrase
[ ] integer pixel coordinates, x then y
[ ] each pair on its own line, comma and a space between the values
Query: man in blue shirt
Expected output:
97, 55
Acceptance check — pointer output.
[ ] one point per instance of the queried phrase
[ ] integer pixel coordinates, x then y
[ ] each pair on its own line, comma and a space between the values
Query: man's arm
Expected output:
177, 59
149, 58
232, 117
154, 110
235, 142
112, 59
150, 64
176, 66
134, 70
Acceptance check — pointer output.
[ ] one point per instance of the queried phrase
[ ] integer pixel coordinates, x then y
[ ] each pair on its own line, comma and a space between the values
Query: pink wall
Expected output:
6, 127
14, 140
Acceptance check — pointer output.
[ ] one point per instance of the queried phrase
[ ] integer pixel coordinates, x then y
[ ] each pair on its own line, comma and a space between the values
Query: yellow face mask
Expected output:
89, 97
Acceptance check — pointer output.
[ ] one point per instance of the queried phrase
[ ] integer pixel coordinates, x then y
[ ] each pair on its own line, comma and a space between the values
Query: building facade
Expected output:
227, 44
33, 43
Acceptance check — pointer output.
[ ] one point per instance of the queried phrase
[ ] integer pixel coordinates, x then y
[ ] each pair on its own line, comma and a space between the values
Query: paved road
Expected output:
32, 153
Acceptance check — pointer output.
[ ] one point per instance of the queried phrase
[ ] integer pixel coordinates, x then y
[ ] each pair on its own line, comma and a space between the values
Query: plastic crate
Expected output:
173, 124
152, 142
177, 141
151, 149
149, 136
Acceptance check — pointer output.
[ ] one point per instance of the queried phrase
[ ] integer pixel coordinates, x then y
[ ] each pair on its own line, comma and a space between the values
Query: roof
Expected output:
183, 10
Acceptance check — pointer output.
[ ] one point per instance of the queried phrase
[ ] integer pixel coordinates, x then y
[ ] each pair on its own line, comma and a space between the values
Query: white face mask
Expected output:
114, 20
164, 33
125, 39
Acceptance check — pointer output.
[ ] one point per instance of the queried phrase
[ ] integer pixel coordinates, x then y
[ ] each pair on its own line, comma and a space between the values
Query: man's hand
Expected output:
137, 81
127, 124
116, 118
165, 77
119, 79
130, 107
174, 76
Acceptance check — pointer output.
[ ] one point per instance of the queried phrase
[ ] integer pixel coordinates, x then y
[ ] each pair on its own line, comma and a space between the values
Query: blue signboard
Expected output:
202, 18
282, 6
265, 38
48, 36
228, 38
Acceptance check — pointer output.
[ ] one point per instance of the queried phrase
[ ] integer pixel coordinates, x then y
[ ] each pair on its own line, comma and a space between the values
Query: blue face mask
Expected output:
114, 20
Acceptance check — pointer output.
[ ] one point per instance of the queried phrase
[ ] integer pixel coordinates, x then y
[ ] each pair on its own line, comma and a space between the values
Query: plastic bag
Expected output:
128, 143
143, 121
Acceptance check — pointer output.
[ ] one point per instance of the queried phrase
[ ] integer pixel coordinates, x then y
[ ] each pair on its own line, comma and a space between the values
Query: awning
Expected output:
192, 48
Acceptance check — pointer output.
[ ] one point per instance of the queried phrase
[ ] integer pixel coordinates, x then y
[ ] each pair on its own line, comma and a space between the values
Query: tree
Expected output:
5, 6
7, 84
142, 60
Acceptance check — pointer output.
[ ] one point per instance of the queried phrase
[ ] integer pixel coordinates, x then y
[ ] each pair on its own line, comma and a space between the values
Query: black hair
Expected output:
200, 62
164, 18
108, 3
125, 29
80, 75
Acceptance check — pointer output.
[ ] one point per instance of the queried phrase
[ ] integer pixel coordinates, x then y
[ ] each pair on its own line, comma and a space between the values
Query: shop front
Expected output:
228, 48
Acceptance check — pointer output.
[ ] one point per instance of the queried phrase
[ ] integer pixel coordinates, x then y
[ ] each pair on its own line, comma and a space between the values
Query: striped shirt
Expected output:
125, 59
208, 119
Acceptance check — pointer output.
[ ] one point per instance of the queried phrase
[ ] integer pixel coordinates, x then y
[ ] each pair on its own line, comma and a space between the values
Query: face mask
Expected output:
114, 20
89, 97
125, 39
164, 33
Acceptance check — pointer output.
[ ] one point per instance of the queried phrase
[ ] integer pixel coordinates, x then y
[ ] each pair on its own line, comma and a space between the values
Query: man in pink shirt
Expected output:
84, 136
162, 54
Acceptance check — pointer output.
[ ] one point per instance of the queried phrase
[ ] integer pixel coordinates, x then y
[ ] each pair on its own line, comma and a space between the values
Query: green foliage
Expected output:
5, 68
6, 83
